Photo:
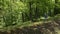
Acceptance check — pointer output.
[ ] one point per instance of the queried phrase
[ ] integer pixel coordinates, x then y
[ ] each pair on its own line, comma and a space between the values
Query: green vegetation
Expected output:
22, 13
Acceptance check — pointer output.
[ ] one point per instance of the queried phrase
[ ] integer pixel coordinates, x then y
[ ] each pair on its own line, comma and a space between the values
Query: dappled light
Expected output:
29, 16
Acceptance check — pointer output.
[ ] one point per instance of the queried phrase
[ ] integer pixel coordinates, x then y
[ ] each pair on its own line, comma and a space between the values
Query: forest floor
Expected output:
42, 27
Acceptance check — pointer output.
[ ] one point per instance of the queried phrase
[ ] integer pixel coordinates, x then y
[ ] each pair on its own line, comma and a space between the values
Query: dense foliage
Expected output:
16, 12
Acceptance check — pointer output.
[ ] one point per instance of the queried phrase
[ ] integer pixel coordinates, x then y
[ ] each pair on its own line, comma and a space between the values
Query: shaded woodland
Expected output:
20, 16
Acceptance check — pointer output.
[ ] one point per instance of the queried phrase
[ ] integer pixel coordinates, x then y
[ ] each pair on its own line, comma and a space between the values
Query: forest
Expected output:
29, 16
